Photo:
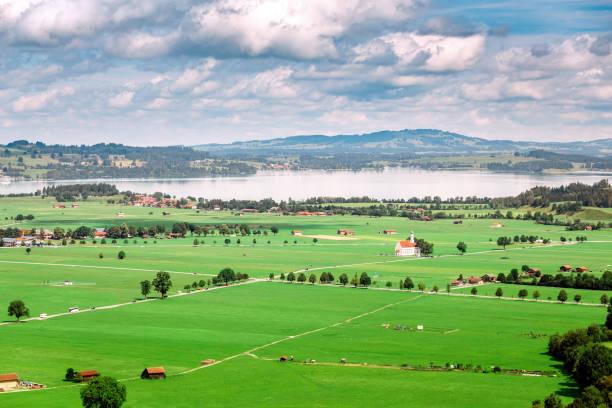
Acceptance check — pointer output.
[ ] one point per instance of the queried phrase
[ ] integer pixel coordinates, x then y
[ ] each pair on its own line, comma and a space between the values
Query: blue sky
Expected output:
158, 72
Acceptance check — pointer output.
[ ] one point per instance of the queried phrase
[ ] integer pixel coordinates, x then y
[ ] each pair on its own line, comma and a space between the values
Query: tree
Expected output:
499, 292
301, 277
18, 309
562, 296
312, 278
577, 298
271, 276
389, 284
474, 290
501, 277
343, 279
553, 401
523, 293
103, 392
196, 242
274, 229
421, 286
513, 275
145, 288
604, 300
355, 281
536, 295
187, 287
365, 280
315, 240
408, 284
202, 283
609, 320
426, 248
462, 247
121, 255
227, 241
70, 373
503, 241
435, 288
290, 277
594, 363
323, 278
282, 276
162, 283
227, 275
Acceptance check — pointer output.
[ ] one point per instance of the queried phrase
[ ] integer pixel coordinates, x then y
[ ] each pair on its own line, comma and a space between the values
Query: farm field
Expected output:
246, 327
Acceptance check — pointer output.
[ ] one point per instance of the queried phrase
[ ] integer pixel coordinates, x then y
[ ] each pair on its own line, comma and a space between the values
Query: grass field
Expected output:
247, 327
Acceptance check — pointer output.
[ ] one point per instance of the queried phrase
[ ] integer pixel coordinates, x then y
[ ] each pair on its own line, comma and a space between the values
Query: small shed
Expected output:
283, 358
87, 375
389, 232
296, 232
208, 361
153, 373
581, 269
565, 268
8, 381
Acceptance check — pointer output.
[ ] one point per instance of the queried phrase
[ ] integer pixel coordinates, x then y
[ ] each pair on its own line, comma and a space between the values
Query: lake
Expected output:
280, 185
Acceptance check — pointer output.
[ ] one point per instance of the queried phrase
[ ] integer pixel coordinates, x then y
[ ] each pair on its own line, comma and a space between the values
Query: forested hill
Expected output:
24, 160
418, 141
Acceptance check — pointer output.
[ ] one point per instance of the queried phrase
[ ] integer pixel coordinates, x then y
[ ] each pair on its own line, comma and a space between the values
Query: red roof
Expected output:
407, 244
88, 373
155, 370
9, 377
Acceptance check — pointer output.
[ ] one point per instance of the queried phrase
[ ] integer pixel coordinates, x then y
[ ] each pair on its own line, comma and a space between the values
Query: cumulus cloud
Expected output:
430, 52
193, 77
40, 100
121, 100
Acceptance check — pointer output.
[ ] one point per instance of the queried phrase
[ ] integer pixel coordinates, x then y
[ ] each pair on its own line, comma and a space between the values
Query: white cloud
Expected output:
121, 100
158, 103
193, 77
39, 101
436, 53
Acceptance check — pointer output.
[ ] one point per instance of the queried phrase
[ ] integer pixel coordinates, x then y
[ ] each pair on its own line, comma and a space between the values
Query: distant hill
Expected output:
416, 141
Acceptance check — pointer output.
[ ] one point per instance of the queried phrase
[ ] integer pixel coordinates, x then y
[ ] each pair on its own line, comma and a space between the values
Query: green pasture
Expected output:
178, 333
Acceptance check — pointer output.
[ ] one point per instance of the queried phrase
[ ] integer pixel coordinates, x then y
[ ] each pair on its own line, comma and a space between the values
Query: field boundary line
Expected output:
121, 268
133, 302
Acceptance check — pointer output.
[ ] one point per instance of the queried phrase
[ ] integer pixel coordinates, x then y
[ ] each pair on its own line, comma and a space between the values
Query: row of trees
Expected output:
589, 363
574, 281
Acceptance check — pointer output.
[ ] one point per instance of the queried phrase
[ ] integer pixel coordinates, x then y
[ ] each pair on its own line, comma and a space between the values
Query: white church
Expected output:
407, 248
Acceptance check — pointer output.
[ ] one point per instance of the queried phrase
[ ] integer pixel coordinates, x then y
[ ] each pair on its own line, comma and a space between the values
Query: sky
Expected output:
167, 72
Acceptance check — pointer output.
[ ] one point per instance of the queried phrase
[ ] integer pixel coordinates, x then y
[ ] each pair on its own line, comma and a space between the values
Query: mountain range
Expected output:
414, 141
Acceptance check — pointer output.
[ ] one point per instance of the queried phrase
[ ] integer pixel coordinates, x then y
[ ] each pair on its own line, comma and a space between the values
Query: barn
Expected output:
153, 373
9, 381
87, 375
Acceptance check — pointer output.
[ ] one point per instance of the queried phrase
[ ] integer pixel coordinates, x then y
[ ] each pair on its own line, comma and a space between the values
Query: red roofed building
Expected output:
153, 372
88, 375
407, 247
389, 232
8, 381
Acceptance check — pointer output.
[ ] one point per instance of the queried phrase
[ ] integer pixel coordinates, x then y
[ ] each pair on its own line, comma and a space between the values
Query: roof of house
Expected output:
296, 231
155, 370
490, 275
407, 244
566, 266
88, 373
534, 269
474, 280
9, 377
389, 230
582, 267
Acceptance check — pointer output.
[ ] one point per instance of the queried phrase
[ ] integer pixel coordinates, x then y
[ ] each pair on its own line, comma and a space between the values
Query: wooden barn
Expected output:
153, 373
87, 375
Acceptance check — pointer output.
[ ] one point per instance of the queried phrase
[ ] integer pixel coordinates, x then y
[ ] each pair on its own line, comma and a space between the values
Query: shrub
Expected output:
121, 255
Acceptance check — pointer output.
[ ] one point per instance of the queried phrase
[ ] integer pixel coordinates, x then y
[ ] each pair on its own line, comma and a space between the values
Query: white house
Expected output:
407, 248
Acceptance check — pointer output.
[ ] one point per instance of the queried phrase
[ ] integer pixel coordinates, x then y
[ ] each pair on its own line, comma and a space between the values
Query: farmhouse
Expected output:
389, 232
496, 225
296, 232
99, 232
8, 381
456, 283
475, 281
59, 206
581, 269
87, 375
153, 373
345, 232
534, 272
565, 268
407, 247
489, 277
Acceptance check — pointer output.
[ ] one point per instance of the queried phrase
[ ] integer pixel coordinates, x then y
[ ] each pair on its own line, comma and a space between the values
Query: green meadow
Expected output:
247, 327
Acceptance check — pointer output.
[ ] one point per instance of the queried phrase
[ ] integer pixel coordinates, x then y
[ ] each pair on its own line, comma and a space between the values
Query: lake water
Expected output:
280, 185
